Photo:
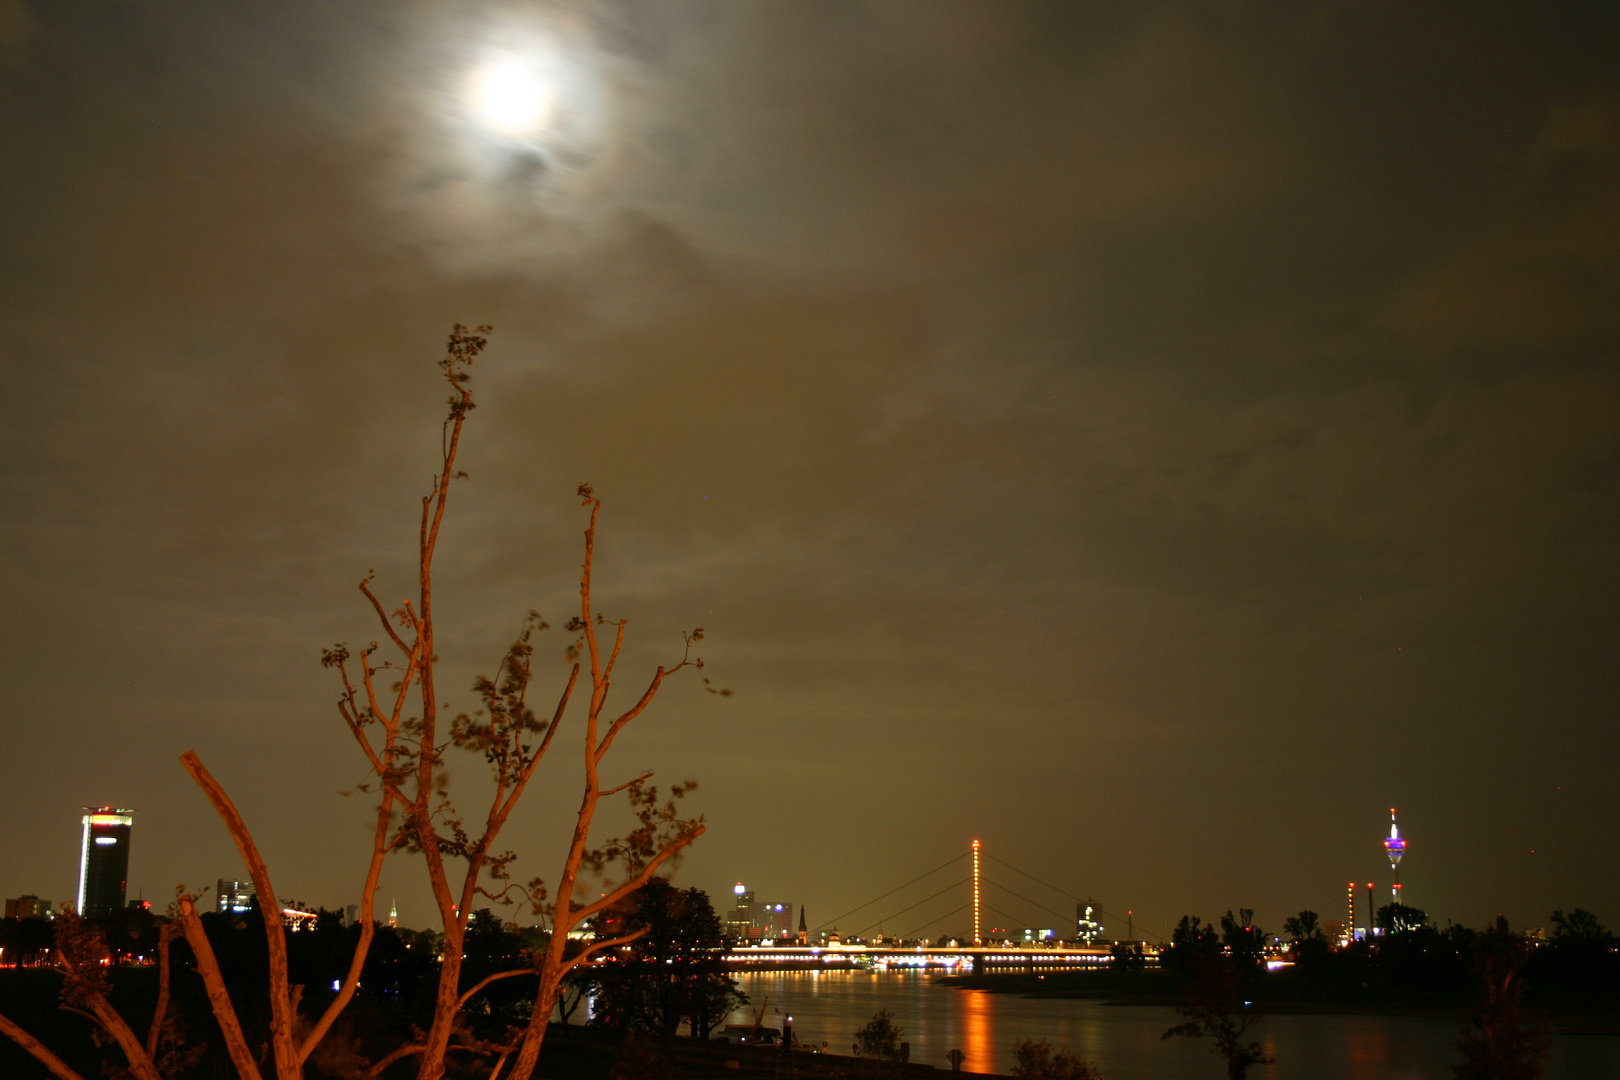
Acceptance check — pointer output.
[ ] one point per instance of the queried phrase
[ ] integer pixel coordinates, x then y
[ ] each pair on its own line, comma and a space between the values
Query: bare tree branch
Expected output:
56, 1065
283, 1018
219, 999
165, 936
487, 979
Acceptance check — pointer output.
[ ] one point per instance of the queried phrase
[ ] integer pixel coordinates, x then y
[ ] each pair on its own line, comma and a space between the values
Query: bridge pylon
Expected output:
978, 935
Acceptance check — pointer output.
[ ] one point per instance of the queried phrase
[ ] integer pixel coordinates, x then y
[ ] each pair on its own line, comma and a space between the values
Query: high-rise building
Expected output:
1087, 928
773, 921
28, 907
233, 897
740, 919
750, 920
104, 860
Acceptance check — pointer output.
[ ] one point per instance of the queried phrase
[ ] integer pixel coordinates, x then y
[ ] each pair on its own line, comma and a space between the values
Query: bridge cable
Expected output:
1027, 900
891, 892
932, 921
1102, 910
920, 903
1003, 914
1035, 879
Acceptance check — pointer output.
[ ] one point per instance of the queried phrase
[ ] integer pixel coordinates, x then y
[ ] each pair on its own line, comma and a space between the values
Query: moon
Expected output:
512, 98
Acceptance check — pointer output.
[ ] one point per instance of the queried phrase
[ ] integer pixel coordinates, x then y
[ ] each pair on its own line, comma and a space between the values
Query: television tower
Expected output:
1395, 847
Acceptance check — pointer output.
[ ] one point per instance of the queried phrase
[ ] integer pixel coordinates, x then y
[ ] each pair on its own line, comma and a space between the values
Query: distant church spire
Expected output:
804, 930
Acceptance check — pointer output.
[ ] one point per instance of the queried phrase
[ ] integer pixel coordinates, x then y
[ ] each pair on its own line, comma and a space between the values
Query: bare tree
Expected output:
405, 753
629, 861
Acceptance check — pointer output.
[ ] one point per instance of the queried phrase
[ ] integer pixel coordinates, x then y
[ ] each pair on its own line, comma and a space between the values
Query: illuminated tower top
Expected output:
1395, 845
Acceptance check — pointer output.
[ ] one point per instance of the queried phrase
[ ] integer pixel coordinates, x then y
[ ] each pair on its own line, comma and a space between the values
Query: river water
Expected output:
1124, 1041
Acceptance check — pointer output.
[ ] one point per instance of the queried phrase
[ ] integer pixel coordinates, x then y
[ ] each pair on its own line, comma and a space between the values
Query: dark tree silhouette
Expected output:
1500, 1043
1304, 927
1037, 1059
878, 1043
674, 973
1213, 1003
1244, 940
1190, 939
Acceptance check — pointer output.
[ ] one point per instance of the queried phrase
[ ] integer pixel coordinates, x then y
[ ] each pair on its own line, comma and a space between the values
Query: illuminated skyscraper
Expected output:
233, 897
772, 921
1088, 928
1395, 847
740, 919
104, 860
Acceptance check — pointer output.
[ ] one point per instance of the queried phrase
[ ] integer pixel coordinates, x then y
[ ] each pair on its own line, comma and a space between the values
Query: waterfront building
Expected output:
1087, 928
750, 920
740, 919
773, 921
104, 860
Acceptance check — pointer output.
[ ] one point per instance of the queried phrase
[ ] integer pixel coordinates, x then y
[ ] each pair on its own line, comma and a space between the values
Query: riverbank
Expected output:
1282, 994
938, 1016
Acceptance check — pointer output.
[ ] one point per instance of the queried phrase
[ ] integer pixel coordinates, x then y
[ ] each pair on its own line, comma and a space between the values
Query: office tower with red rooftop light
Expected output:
104, 860
1395, 847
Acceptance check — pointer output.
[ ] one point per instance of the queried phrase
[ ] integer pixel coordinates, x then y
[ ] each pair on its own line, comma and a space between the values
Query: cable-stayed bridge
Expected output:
1064, 942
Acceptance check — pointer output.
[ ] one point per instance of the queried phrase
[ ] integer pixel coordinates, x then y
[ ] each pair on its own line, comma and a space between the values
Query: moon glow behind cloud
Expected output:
511, 97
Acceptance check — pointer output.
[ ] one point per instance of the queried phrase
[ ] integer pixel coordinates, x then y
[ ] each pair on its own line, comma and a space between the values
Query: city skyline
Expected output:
1152, 439
776, 917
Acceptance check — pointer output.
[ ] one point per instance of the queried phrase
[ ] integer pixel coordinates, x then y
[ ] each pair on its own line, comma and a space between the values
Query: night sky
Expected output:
1154, 439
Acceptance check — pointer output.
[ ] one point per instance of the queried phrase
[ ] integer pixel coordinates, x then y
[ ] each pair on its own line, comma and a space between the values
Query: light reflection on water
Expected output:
827, 1006
978, 1039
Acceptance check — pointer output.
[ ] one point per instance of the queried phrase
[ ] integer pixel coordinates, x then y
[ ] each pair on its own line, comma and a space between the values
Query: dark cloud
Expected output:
1153, 441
